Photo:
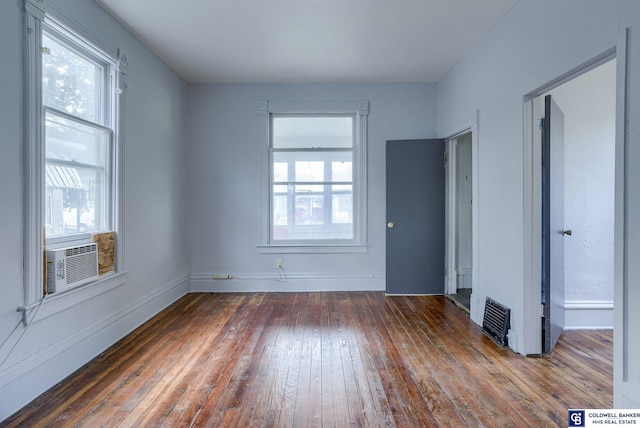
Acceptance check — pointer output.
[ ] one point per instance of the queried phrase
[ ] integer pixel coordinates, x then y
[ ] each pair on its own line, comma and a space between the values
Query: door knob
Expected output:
567, 232
390, 225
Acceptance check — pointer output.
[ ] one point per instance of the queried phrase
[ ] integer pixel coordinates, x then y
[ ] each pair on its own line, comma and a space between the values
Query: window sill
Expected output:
58, 302
313, 249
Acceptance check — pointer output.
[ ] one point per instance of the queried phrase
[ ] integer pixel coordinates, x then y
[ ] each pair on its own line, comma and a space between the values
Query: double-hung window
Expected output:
312, 177
74, 96
78, 138
316, 175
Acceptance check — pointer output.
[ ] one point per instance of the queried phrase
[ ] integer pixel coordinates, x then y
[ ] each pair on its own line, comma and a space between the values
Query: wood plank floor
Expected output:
324, 359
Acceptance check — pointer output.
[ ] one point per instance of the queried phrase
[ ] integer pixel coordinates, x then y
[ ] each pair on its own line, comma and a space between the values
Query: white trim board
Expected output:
272, 282
588, 315
477, 308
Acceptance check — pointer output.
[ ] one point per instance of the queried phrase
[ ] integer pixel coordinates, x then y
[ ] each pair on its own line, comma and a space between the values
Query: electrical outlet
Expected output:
279, 264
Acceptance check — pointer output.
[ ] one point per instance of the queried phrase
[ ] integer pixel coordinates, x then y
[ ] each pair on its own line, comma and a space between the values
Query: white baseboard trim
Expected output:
588, 315
25, 380
477, 308
297, 282
626, 395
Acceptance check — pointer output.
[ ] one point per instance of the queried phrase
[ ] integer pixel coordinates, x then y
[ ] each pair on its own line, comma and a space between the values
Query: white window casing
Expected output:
338, 242
42, 16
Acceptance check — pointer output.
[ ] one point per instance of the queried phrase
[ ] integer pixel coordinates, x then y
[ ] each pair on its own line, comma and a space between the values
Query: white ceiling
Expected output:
292, 41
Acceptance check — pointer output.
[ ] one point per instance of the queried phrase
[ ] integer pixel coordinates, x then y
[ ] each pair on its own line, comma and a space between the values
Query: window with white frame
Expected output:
74, 96
78, 139
317, 180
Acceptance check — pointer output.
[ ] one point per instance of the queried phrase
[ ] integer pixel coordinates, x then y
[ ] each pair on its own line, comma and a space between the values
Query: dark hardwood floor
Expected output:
324, 359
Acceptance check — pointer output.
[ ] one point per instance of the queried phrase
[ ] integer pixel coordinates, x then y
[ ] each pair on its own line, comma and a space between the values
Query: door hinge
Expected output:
541, 123
446, 158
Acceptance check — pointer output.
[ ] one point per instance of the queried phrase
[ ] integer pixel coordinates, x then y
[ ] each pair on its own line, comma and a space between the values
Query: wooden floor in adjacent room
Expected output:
326, 360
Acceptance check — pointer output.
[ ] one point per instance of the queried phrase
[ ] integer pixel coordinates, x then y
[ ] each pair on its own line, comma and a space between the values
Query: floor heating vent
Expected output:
496, 322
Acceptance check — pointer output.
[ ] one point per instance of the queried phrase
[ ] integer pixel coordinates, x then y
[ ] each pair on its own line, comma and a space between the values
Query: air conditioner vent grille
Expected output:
82, 265
71, 267
74, 251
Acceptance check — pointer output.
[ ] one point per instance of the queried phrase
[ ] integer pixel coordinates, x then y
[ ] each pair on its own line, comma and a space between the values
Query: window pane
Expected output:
309, 209
67, 140
342, 205
75, 200
312, 132
280, 208
280, 172
309, 171
70, 82
76, 179
309, 221
341, 171
316, 162
316, 209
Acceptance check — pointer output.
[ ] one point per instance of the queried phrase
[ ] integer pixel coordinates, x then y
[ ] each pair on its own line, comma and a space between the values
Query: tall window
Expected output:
316, 155
312, 177
74, 98
76, 95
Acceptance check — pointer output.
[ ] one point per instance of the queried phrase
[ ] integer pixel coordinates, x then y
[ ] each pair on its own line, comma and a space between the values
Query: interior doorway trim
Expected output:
532, 194
450, 286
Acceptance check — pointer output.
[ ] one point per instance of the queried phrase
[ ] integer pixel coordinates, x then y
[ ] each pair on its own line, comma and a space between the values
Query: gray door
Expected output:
553, 232
415, 217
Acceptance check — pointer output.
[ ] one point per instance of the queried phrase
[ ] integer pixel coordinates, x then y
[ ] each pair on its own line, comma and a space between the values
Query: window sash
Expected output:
76, 119
358, 112
103, 204
303, 222
92, 54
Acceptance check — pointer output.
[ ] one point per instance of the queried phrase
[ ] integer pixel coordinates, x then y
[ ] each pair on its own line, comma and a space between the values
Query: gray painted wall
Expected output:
534, 44
226, 173
156, 233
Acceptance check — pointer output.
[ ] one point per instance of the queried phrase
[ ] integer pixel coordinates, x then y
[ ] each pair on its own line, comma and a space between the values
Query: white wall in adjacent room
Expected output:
588, 104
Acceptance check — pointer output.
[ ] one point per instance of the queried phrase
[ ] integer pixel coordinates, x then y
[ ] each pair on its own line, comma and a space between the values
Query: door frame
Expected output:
533, 109
450, 286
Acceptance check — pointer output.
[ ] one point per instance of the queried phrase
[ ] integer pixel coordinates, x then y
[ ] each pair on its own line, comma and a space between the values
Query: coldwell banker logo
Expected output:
576, 418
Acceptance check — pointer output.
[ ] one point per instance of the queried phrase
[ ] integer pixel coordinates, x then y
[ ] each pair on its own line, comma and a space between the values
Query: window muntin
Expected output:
312, 158
78, 145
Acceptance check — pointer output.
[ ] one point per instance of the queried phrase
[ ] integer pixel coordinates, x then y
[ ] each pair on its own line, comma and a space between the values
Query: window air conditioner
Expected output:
71, 267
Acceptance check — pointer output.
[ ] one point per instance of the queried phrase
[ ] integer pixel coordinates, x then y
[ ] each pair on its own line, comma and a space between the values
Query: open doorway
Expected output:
459, 188
581, 289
